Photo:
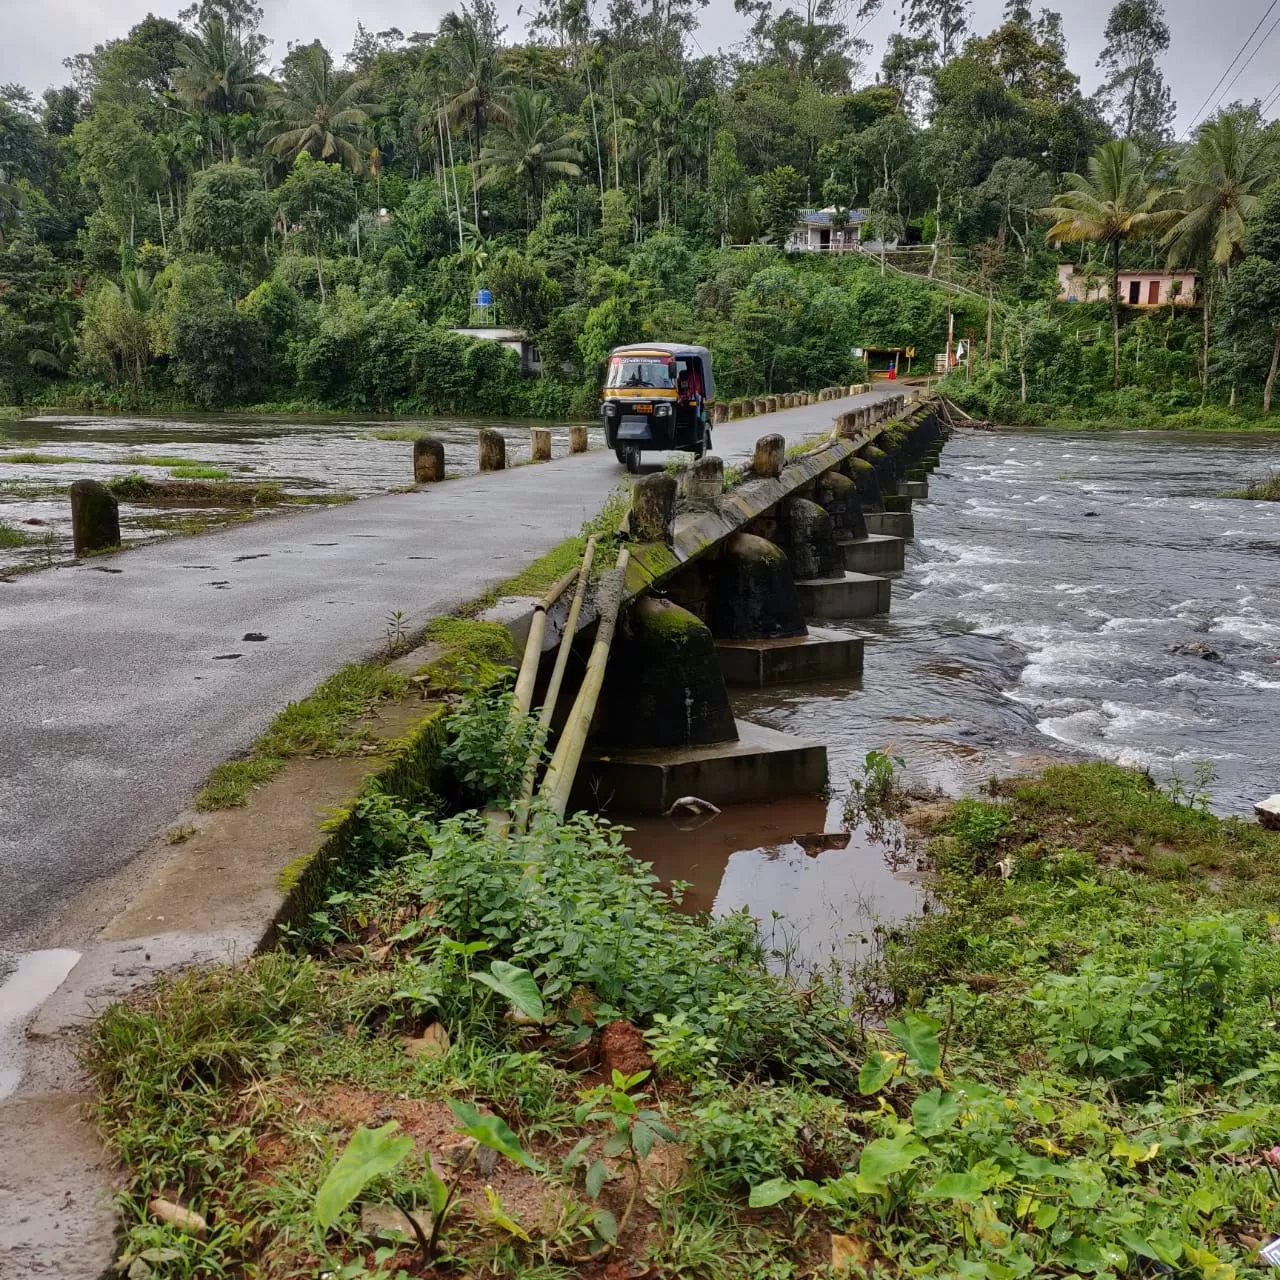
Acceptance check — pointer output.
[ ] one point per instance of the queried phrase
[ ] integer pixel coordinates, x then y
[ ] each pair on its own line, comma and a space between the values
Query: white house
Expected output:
814, 233
1137, 288
513, 339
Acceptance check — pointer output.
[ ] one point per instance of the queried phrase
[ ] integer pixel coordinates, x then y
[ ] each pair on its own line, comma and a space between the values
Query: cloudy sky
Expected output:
1206, 37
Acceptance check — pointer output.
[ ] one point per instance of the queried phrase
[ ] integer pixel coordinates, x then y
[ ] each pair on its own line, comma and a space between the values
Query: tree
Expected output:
122, 160
1133, 93
320, 200
532, 144
659, 108
1113, 203
320, 112
228, 214
115, 338
781, 197
1218, 184
942, 21
907, 63
217, 74
1251, 300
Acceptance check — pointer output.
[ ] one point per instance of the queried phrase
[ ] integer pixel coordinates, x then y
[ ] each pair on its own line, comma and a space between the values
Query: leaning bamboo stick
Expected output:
528, 676
520, 813
558, 781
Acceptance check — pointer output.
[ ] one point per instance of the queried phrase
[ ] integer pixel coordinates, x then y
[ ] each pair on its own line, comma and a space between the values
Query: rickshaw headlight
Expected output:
661, 409
610, 408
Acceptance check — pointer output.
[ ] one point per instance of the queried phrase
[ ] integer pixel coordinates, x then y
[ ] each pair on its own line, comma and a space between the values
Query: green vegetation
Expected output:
179, 227
31, 458
1267, 490
198, 472
323, 724
11, 537
1077, 1072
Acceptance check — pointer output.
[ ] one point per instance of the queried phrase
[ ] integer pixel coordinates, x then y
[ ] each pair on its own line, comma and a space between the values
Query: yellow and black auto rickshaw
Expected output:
655, 396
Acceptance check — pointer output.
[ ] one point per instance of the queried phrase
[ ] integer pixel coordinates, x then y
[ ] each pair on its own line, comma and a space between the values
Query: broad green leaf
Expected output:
935, 1112
437, 1193
877, 1071
1211, 1266
1157, 1245
642, 1138
766, 1194
606, 1226
884, 1157
1082, 1254
955, 1186
492, 1132
595, 1178
518, 985
918, 1035
369, 1154
617, 1144
1135, 1153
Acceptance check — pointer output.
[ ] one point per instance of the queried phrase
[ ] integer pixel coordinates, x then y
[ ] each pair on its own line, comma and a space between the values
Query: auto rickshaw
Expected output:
655, 396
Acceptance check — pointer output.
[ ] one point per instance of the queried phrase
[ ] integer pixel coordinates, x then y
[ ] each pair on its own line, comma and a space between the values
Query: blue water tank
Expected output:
484, 298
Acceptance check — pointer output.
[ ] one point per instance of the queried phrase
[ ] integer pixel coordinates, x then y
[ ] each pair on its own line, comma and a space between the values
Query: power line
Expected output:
1232, 63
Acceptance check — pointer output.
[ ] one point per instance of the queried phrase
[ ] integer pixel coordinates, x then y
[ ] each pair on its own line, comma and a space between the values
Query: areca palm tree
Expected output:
216, 75
320, 113
532, 144
1218, 184
660, 106
1114, 202
475, 83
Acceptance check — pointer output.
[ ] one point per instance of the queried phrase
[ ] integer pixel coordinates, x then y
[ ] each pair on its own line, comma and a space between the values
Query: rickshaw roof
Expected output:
662, 349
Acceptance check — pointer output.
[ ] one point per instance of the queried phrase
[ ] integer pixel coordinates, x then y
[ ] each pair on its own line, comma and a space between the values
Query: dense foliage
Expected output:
180, 225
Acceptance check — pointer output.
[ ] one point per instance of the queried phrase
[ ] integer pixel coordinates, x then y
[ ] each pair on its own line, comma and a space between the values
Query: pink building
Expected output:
1137, 288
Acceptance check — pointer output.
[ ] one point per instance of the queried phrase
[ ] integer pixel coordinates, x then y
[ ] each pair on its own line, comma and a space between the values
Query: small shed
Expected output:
513, 339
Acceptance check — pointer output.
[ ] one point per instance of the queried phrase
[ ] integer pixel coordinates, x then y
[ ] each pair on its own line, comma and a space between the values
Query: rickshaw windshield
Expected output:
641, 371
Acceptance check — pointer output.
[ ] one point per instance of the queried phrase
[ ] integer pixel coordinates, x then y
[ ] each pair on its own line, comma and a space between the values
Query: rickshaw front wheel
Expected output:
631, 458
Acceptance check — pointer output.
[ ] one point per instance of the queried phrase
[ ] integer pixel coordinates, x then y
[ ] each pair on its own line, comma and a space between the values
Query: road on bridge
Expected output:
127, 679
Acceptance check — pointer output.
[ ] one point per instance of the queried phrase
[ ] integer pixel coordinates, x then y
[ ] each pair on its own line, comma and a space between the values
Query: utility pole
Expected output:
951, 319
969, 353
988, 328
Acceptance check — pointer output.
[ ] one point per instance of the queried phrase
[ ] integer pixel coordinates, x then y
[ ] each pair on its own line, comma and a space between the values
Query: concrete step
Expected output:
876, 553
851, 595
762, 765
821, 655
913, 488
897, 524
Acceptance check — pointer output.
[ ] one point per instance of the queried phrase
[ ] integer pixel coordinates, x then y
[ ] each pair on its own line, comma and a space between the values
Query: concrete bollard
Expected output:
577, 438
719, 413
493, 450
653, 509
703, 482
847, 425
735, 410
428, 460
95, 518
540, 444
768, 459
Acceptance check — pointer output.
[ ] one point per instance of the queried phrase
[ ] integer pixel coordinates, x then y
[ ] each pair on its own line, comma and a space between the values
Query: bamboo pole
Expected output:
528, 676
558, 781
521, 812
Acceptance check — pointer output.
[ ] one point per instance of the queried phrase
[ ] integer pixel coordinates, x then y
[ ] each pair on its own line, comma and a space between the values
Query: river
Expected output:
1053, 579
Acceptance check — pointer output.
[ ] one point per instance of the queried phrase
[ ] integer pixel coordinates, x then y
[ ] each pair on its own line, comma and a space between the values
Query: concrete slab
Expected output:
851, 595
821, 655
876, 553
897, 524
913, 488
762, 765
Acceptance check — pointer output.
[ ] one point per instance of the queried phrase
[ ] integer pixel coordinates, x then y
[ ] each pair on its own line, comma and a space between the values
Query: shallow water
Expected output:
305, 456
1051, 578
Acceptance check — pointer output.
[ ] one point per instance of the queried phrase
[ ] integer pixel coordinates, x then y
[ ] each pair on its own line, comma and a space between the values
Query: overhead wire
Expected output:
1239, 54
1245, 65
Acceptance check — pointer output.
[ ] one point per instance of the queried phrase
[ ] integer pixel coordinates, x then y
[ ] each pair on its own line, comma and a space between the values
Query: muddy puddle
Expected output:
818, 890
308, 459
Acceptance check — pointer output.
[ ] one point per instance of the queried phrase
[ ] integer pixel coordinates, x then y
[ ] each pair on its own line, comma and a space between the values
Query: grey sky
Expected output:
36, 37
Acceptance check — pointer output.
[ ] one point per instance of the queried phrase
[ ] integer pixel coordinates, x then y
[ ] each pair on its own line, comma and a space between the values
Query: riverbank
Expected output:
1074, 1072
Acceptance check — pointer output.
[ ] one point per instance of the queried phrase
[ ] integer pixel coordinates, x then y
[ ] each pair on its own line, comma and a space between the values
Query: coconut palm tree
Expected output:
532, 145
1114, 202
216, 74
1218, 183
474, 82
660, 109
320, 113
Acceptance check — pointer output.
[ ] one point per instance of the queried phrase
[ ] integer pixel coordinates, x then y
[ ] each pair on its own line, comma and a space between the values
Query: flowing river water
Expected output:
1067, 596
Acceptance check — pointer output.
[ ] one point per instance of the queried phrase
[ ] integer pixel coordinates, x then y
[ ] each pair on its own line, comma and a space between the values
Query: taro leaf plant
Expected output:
373, 1153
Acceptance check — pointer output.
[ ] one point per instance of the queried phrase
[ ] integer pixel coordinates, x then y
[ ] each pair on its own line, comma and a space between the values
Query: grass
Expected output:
198, 471
1267, 490
135, 487
30, 458
1074, 1071
11, 537
399, 433
322, 724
